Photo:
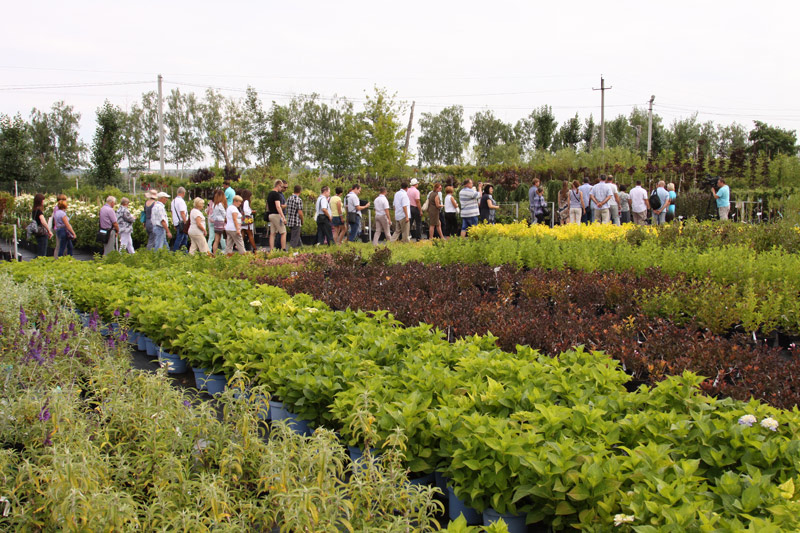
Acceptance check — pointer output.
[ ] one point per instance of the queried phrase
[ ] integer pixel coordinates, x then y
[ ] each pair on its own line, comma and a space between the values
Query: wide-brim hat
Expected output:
152, 194
414, 181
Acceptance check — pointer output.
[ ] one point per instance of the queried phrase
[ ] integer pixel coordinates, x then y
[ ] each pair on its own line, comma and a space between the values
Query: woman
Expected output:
577, 204
218, 219
197, 229
247, 219
43, 233
625, 204
51, 223
563, 203
338, 222
209, 212
125, 220
148, 224
233, 227
434, 207
672, 196
487, 206
450, 212
64, 230
539, 206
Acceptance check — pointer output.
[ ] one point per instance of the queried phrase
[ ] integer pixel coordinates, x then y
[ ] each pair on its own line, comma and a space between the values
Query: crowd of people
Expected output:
227, 222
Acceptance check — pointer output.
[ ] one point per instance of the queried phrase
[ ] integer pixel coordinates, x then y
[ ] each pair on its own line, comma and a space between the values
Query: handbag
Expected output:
247, 219
427, 203
103, 235
35, 229
182, 226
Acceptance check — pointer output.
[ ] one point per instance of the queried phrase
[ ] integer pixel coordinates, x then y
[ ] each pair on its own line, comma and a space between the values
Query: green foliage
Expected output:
16, 151
107, 146
772, 140
384, 134
442, 137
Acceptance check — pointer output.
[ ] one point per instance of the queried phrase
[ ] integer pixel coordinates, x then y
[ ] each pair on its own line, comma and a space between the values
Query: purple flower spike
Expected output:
64, 336
66, 350
44, 414
116, 312
110, 342
187, 403
23, 318
72, 326
127, 314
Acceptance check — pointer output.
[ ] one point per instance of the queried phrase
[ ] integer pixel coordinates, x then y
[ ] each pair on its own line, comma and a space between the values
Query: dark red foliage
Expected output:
554, 311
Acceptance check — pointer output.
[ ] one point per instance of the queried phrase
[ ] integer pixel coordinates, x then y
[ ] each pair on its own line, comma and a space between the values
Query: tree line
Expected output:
331, 135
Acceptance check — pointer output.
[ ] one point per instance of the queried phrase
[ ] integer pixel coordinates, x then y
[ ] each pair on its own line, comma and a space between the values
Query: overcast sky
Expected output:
731, 60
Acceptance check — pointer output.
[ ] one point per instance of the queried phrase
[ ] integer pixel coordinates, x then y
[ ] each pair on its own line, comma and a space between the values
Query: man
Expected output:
383, 219
723, 196
158, 219
586, 189
416, 209
294, 217
354, 206
533, 199
639, 204
322, 212
402, 214
468, 198
179, 216
108, 221
660, 214
601, 195
614, 202
277, 220
624, 205
229, 192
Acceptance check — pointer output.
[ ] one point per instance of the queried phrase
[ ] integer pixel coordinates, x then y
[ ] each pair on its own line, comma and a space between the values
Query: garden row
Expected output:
553, 311
558, 439
85, 442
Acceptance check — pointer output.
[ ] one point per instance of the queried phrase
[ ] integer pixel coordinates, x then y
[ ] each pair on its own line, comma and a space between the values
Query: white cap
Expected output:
163, 195
414, 181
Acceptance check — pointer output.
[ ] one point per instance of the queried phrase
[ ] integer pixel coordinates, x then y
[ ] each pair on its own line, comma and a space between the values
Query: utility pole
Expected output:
602, 90
650, 128
160, 125
408, 131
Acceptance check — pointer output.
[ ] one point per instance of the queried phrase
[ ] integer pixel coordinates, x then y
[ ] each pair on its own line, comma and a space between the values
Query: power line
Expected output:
69, 85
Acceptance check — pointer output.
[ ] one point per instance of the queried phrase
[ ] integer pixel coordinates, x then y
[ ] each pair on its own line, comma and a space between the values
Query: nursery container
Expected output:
300, 427
152, 348
276, 411
215, 383
441, 482
514, 522
458, 507
424, 479
175, 365
141, 342
199, 378
133, 337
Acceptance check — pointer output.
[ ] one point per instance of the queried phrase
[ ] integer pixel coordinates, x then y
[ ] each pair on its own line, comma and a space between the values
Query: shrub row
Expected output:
557, 438
555, 310
86, 443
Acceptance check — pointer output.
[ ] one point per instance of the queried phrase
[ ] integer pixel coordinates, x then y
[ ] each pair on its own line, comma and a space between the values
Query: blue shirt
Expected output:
229, 194
586, 189
724, 196
672, 196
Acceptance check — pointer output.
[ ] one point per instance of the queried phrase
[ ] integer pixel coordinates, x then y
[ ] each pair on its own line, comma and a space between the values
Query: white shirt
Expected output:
193, 229
600, 192
229, 224
322, 203
638, 197
158, 214
400, 201
448, 204
178, 207
352, 203
381, 205
614, 190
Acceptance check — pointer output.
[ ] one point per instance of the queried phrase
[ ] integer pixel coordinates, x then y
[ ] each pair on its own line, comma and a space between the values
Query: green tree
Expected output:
544, 127
729, 138
183, 134
442, 136
107, 146
55, 137
683, 136
349, 141
224, 124
16, 151
150, 126
489, 134
620, 133
589, 134
134, 141
772, 140
570, 133
384, 134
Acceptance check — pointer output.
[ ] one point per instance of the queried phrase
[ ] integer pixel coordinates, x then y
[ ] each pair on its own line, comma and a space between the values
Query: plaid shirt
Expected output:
293, 206
538, 204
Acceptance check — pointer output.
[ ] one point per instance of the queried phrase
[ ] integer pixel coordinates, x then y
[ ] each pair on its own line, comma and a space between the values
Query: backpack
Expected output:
655, 200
